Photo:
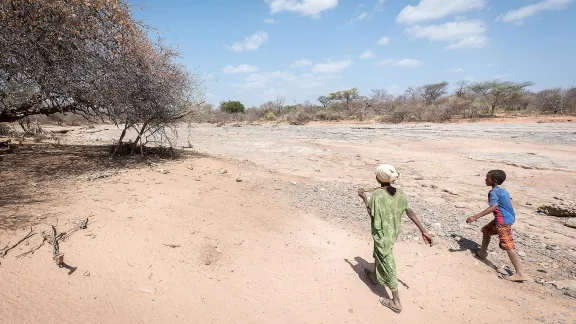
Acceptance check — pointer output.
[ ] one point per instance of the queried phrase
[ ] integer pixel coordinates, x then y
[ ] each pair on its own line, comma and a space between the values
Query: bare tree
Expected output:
551, 100
412, 94
279, 104
462, 90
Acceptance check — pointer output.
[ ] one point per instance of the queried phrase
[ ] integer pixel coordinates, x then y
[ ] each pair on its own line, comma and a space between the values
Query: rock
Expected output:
457, 238
558, 209
528, 203
460, 205
504, 272
147, 290
521, 254
434, 186
570, 293
552, 247
565, 284
223, 171
571, 222
163, 171
450, 191
539, 319
87, 273
238, 179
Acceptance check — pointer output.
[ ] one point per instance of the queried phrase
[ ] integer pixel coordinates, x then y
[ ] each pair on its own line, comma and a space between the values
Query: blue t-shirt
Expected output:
504, 213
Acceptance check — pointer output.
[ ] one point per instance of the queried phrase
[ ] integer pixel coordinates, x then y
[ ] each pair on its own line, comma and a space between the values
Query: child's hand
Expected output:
427, 238
471, 219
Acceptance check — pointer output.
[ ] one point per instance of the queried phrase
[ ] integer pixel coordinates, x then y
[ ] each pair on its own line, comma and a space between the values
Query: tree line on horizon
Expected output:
427, 103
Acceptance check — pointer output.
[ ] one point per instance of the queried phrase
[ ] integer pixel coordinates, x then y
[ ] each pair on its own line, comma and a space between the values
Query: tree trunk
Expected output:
139, 138
120, 140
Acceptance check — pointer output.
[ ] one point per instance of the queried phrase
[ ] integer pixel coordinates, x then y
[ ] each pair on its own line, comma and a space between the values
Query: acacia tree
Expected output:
162, 94
346, 96
55, 53
495, 93
324, 100
433, 91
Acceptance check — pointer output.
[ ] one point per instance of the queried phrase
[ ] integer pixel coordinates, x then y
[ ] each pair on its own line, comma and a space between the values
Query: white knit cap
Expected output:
387, 173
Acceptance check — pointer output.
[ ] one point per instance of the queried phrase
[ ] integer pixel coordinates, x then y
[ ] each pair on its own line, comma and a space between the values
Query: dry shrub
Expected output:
328, 115
299, 117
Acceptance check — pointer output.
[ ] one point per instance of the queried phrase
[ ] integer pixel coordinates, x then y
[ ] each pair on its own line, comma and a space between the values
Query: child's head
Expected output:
387, 174
495, 178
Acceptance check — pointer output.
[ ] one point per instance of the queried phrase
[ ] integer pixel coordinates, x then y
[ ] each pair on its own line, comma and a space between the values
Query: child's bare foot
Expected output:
391, 304
481, 254
518, 278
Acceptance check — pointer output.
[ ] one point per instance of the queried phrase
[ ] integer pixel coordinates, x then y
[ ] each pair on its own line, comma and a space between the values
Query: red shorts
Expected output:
504, 233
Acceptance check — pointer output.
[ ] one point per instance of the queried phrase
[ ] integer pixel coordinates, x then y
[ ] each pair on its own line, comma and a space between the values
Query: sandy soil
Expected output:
180, 242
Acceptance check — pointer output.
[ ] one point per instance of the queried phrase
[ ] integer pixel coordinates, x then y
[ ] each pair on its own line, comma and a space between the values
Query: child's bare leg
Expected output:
396, 299
483, 252
519, 276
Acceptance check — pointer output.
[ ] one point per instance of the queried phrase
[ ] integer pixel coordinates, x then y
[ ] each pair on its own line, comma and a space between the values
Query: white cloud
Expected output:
251, 43
437, 9
311, 8
407, 62
367, 55
269, 21
332, 66
362, 16
301, 63
518, 15
455, 70
384, 41
460, 34
285, 80
378, 7
242, 68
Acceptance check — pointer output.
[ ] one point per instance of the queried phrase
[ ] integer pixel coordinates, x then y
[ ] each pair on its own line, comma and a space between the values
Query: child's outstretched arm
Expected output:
487, 211
362, 194
427, 238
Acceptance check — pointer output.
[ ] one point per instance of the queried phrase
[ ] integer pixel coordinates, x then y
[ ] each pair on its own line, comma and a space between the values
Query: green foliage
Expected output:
232, 107
270, 116
325, 101
289, 108
345, 95
432, 92
496, 93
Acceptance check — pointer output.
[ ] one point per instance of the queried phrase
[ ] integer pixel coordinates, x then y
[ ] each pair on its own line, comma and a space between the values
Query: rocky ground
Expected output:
269, 216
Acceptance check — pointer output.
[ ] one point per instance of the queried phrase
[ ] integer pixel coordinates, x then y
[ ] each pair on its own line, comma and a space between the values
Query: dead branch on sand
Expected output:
53, 238
5, 250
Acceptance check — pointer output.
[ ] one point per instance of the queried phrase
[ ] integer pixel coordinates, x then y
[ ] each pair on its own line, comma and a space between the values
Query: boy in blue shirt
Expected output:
501, 225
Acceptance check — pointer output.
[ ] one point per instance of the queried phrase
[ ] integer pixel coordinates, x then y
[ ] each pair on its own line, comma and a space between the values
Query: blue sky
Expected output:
256, 50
